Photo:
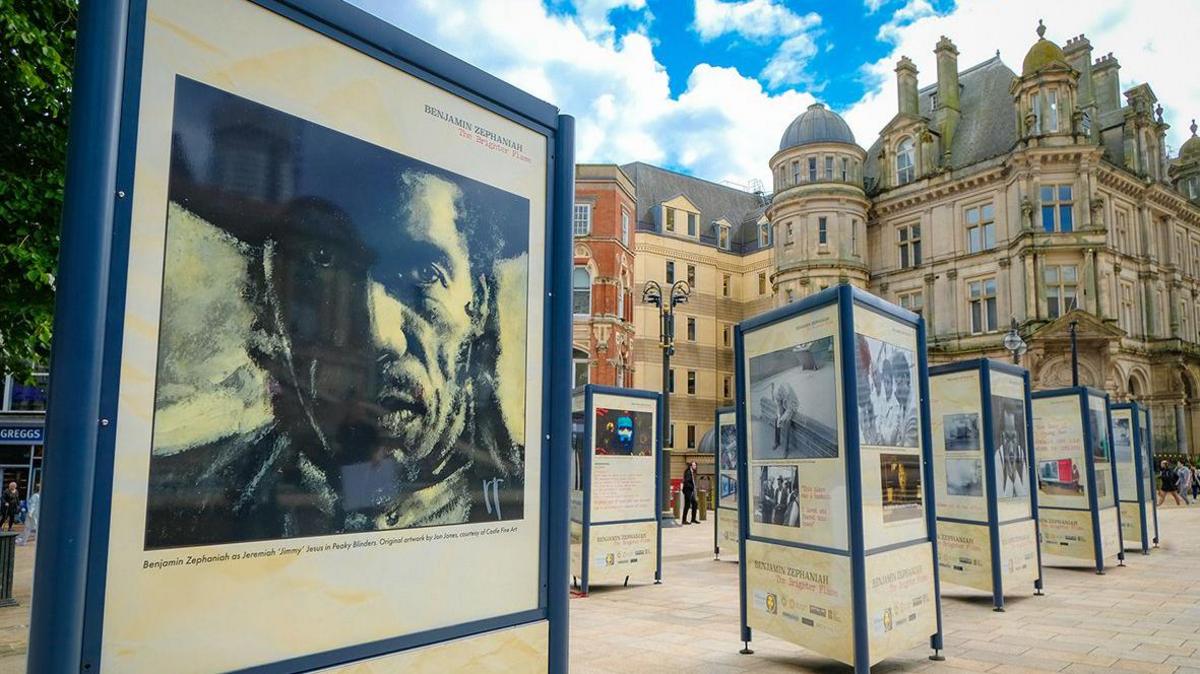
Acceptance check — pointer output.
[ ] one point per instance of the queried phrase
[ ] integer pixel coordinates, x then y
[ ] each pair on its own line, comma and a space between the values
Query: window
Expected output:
691, 382
1052, 105
982, 296
620, 303
620, 375
625, 227
691, 276
845, 169
762, 283
691, 224
581, 372
1123, 233
904, 162
1060, 289
671, 436
1057, 208
812, 169
822, 231
670, 272
671, 381
691, 329
25, 396
1178, 254
981, 228
914, 301
581, 295
1195, 259
1184, 330
1127, 307
764, 235
582, 223
725, 285
853, 236
726, 335
691, 436
910, 246
829, 168
723, 237
788, 239
796, 172
1035, 104
727, 387
670, 219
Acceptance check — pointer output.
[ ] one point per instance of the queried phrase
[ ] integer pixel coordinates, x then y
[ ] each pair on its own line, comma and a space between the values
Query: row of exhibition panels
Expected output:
852, 479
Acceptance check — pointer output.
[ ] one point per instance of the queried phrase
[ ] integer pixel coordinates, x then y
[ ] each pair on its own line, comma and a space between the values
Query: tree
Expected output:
37, 49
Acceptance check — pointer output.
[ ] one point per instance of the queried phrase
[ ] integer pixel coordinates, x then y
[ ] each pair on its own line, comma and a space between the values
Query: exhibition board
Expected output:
318, 275
1133, 457
725, 522
1077, 490
837, 510
616, 443
983, 457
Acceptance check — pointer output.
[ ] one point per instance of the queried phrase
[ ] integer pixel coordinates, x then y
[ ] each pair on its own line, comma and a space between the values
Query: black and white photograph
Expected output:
1102, 479
728, 453
793, 406
1098, 421
961, 432
1123, 441
778, 496
964, 477
900, 480
332, 356
728, 486
578, 443
1010, 440
623, 432
887, 394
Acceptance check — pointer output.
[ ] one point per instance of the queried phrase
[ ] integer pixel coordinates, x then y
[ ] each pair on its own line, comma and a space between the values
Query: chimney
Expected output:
946, 111
1107, 83
906, 85
1078, 51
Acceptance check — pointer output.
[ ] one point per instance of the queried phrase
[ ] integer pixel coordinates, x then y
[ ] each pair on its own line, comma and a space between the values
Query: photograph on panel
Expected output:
623, 432
793, 406
887, 394
964, 477
1011, 445
1098, 420
1123, 441
961, 432
901, 486
778, 496
1060, 477
727, 458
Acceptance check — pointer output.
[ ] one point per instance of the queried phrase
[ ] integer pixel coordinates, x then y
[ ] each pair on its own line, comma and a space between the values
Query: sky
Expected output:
706, 87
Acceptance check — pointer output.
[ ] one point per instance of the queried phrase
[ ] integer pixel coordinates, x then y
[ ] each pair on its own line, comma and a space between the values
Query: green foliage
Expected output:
37, 47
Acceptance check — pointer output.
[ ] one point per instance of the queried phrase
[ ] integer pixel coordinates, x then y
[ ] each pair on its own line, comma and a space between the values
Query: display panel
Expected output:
579, 464
316, 374
901, 603
1067, 533
965, 554
1149, 469
956, 430
1010, 442
890, 451
623, 461
1124, 456
1110, 533
727, 460
1018, 553
514, 649
1058, 436
1102, 451
617, 551
797, 470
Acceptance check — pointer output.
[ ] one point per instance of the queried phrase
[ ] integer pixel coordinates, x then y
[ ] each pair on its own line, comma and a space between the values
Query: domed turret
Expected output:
1042, 53
817, 124
1191, 147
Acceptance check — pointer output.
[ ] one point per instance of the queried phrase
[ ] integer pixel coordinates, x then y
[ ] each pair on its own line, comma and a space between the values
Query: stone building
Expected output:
1043, 196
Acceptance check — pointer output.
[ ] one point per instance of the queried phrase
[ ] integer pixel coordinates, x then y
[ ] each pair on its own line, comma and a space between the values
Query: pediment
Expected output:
1088, 327
681, 202
903, 121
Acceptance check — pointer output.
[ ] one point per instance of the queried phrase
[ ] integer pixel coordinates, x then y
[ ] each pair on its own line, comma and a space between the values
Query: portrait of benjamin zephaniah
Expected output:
342, 335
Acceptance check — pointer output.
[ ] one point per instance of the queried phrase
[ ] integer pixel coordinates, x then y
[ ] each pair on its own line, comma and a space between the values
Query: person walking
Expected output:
1185, 481
1168, 483
10, 505
689, 494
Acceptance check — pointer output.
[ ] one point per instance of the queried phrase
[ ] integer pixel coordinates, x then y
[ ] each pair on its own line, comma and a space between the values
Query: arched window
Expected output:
1133, 387
581, 282
904, 162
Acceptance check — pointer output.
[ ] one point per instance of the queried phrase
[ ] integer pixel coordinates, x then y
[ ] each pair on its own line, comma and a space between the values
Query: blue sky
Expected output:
707, 86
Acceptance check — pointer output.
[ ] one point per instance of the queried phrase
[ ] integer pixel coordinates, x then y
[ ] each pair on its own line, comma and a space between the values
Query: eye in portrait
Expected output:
342, 335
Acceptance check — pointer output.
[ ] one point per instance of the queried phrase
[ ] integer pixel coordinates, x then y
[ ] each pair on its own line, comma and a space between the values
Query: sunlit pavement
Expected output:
1144, 617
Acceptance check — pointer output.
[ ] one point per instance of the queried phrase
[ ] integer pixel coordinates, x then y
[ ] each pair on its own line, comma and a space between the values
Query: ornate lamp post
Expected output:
1013, 342
1074, 355
679, 293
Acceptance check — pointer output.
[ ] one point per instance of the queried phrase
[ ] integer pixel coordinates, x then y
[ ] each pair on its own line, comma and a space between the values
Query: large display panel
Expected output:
838, 508
617, 536
725, 523
1076, 489
1135, 475
983, 469
331, 365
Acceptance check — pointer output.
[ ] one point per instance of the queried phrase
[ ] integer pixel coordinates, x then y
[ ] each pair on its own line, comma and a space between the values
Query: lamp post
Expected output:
679, 293
1074, 355
1013, 342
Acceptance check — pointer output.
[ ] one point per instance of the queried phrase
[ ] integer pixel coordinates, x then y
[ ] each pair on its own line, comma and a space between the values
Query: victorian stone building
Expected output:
1043, 195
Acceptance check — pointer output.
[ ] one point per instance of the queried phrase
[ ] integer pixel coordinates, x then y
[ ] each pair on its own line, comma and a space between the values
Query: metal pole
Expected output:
665, 331
1074, 356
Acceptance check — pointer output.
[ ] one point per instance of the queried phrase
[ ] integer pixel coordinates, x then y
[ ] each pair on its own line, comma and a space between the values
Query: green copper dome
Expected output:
1041, 54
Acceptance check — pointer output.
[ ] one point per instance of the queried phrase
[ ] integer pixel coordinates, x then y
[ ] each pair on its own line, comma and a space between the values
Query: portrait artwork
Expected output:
1011, 447
623, 432
342, 335
900, 481
887, 394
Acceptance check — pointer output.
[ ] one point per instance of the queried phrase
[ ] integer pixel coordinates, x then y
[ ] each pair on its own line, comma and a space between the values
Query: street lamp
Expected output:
678, 294
1074, 355
1013, 342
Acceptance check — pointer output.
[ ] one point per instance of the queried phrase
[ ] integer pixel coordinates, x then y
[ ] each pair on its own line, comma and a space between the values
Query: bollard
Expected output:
8, 563
677, 504
703, 501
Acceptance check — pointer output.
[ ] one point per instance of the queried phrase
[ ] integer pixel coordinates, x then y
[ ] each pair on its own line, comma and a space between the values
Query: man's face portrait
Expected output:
332, 355
625, 430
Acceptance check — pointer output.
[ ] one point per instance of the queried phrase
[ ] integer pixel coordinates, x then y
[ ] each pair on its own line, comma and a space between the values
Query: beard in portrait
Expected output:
371, 395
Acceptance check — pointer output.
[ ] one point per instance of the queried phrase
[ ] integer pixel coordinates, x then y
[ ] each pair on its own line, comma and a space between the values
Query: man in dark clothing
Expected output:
689, 494
10, 505
1168, 483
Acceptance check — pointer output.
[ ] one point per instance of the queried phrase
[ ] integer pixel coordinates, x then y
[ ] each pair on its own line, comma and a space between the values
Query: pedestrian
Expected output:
689, 494
1168, 483
31, 520
10, 505
1195, 482
1185, 481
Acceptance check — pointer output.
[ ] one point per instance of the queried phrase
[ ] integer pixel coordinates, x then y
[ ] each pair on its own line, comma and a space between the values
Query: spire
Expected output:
1193, 127
1041, 30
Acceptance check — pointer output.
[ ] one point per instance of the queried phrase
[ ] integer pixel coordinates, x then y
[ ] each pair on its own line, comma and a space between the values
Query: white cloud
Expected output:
723, 126
593, 14
762, 21
873, 5
1152, 42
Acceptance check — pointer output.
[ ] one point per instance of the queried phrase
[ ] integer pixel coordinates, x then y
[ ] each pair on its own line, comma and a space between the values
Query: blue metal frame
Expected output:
717, 471
984, 367
1152, 464
848, 300
1083, 393
589, 411
67, 621
1141, 462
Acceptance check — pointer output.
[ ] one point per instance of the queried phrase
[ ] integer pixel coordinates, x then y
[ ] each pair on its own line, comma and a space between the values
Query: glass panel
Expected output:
1047, 193
976, 317
904, 234
991, 313
973, 240
1068, 274
1064, 218
582, 302
972, 216
989, 235
916, 231
975, 288
1048, 218
1064, 192
988, 213
916, 253
989, 287
1051, 274
903, 256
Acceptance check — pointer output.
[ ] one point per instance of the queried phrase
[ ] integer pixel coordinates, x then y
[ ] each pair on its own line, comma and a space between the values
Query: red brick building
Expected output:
603, 294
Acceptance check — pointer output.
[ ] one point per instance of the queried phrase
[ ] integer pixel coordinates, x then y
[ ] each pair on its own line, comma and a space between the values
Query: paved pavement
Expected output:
1141, 618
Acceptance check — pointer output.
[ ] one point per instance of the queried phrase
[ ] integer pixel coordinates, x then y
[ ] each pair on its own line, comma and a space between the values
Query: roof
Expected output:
742, 209
987, 125
817, 124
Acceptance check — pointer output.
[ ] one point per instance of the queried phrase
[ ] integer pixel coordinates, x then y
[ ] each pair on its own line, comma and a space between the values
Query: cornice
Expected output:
939, 188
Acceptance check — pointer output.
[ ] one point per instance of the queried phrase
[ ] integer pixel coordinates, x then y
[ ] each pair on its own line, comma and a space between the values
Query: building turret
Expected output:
1045, 92
1185, 170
